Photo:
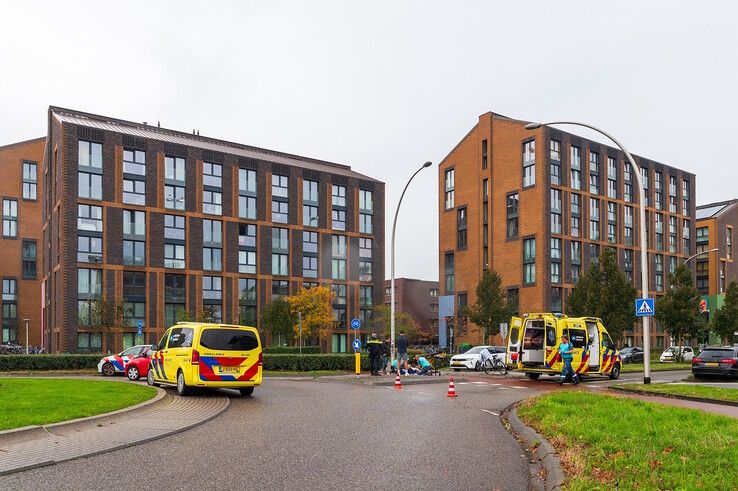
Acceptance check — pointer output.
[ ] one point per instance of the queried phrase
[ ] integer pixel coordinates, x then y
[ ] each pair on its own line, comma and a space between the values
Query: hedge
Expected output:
272, 361
291, 350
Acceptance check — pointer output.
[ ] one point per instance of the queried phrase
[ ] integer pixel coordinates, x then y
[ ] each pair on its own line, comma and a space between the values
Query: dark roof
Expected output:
712, 210
182, 138
24, 142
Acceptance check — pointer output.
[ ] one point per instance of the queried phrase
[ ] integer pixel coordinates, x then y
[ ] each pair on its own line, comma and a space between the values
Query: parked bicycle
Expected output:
495, 365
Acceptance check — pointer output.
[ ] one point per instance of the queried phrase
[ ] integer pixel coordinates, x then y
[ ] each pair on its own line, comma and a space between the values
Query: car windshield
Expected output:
716, 354
475, 350
131, 351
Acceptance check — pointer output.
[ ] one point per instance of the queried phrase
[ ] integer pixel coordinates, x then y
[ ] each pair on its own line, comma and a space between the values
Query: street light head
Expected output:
532, 126
427, 164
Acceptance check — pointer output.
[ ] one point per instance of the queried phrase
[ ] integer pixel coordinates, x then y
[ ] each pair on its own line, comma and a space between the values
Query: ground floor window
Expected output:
129, 339
339, 343
89, 341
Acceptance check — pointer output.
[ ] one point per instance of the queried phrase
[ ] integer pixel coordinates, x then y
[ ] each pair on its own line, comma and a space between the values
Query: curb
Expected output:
26, 433
538, 448
673, 396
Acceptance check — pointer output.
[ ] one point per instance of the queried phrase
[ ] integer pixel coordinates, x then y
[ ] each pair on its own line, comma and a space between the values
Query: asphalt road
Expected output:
322, 434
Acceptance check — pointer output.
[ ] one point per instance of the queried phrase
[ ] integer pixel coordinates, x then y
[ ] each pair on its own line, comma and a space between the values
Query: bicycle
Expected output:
496, 365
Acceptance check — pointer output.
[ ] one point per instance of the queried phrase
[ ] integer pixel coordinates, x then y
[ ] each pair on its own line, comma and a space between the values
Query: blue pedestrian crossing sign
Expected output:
355, 323
140, 326
356, 344
645, 307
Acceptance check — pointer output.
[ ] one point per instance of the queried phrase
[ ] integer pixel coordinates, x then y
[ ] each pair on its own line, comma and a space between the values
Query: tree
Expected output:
679, 309
107, 316
490, 307
604, 291
278, 319
725, 322
317, 314
404, 322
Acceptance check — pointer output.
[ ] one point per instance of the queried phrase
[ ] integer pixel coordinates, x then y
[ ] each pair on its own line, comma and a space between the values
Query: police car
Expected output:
113, 364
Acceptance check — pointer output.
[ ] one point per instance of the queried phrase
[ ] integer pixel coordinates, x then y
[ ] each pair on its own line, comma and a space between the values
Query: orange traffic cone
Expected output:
451, 388
398, 384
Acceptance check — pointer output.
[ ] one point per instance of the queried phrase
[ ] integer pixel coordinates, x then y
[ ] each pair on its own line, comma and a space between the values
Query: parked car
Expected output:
470, 359
716, 360
110, 365
631, 355
669, 354
138, 366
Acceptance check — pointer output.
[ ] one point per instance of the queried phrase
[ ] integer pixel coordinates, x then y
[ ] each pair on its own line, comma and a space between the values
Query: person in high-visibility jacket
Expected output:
374, 346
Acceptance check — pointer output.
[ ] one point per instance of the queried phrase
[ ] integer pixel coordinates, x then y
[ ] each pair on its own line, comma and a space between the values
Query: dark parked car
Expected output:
716, 360
631, 355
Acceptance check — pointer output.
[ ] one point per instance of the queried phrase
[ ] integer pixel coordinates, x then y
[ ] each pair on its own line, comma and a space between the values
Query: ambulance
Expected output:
534, 340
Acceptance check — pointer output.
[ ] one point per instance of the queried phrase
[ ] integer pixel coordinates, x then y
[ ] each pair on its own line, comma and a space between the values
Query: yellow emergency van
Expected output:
207, 355
534, 340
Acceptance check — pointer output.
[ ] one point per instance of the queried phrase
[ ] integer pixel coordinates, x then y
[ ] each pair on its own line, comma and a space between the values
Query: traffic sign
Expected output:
703, 305
140, 326
645, 307
355, 323
356, 344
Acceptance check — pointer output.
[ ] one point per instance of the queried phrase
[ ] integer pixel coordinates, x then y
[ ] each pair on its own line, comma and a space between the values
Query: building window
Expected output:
310, 266
484, 154
365, 248
338, 251
29, 259
555, 165
134, 162
461, 228
556, 299
280, 251
10, 310
338, 219
672, 234
658, 190
529, 163
594, 253
449, 273
90, 185
134, 223
365, 270
212, 202
512, 215
247, 295
247, 235
728, 239
212, 288
644, 180
10, 218
174, 256
89, 249
310, 199
310, 254
555, 211
685, 197
174, 189
89, 287
280, 211
594, 219
89, 218
338, 195
212, 240
576, 168
174, 169
90, 154
174, 227
686, 237
365, 259
212, 175
247, 262
449, 188
212, 259
309, 242
529, 261
247, 194
366, 296
134, 234
555, 248
627, 183
29, 180
628, 225
280, 288
659, 269
174, 197
672, 194
612, 222
365, 223
366, 202
310, 215
134, 252
134, 192
212, 232
594, 173
134, 298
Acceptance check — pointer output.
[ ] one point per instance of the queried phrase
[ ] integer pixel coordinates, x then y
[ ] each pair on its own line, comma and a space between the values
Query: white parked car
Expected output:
470, 359
110, 365
669, 354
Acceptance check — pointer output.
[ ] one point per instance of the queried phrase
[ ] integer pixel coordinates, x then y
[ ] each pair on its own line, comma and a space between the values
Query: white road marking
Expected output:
462, 383
490, 412
481, 383
518, 387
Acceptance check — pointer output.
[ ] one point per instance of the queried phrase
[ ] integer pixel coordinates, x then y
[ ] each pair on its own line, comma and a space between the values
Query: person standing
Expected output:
385, 354
374, 346
566, 350
402, 344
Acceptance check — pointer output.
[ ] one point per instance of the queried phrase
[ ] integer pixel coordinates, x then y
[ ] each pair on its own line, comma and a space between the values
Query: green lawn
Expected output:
606, 442
701, 391
38, 401
655, 367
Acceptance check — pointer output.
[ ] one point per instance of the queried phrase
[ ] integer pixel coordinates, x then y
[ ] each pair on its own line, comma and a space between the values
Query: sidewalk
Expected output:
56, 443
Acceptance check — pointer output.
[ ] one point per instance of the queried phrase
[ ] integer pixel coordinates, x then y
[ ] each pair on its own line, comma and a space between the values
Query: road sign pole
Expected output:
299, 324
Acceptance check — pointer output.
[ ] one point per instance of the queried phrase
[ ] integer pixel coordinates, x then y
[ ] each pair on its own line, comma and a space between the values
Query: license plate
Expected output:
228, 369
711, 364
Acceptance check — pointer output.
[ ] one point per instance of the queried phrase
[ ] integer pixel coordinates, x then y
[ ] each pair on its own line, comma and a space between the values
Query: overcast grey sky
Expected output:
385, 86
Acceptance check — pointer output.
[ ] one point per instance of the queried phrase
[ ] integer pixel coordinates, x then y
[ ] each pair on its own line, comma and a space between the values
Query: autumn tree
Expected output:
106, 316
725, 322
314, 304
679, 309
604, 291
278, 319
404, 322
490, 307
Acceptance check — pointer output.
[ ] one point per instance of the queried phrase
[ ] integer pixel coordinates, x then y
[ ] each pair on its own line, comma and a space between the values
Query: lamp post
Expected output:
699, 254
26, 322
392, 268
644, 244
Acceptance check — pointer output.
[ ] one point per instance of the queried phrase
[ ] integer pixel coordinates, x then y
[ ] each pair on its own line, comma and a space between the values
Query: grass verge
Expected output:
30, 401
606, 441
688, 390
655, 367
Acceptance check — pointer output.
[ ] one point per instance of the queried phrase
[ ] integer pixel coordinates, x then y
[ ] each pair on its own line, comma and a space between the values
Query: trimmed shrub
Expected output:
291, 350
306, 363
9, 363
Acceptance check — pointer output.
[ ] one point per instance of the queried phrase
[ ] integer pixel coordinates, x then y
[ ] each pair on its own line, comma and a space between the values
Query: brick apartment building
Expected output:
715, 270
538, 207
419, 298
20, 255
165, 220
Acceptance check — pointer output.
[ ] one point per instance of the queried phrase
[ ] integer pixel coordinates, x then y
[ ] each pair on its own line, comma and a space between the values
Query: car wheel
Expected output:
615, 372
533, 376
150, 378
246, 391
108, 369
181, 386
132, 373
477, 366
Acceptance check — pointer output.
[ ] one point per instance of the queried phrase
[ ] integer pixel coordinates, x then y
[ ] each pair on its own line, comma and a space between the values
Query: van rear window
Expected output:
716, 354
228, 340
533, 338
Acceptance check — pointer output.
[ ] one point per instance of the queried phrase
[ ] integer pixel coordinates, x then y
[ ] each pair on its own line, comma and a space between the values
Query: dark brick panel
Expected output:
113, 233
155, 242
153, 301
231, 238
194, 241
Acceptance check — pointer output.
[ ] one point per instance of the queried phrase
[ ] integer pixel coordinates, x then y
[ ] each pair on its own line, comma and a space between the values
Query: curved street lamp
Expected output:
700, 254
392, 267
644, 245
